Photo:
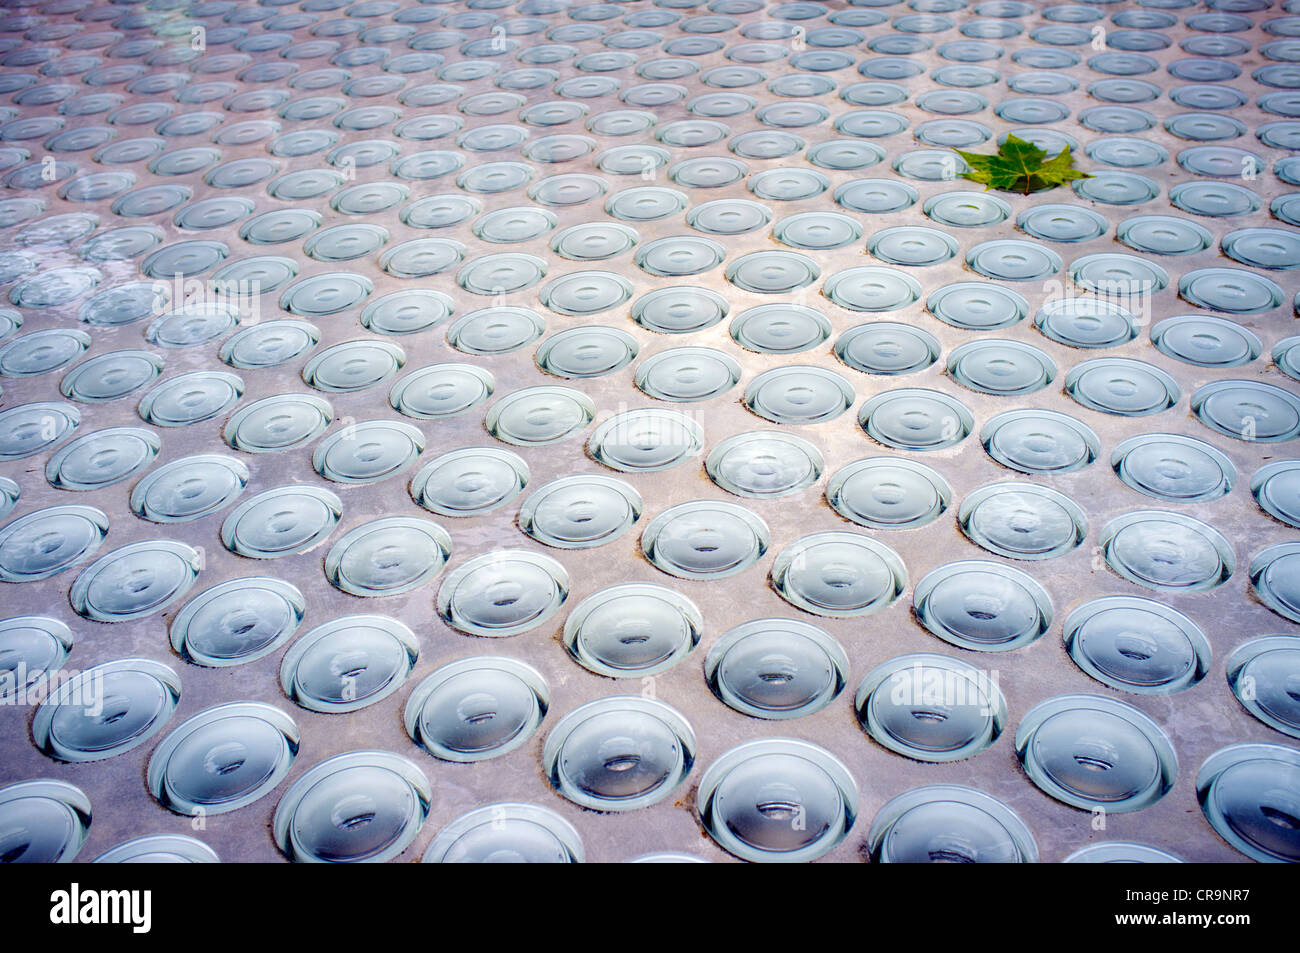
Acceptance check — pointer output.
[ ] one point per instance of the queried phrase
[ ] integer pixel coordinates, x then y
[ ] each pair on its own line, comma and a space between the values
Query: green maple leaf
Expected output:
1019, 166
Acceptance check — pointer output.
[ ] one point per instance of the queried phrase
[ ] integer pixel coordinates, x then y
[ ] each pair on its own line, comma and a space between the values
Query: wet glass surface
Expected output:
665, 343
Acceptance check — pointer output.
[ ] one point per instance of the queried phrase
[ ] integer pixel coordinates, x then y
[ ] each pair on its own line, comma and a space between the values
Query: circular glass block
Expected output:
41, 351
1086, 322
580, 512
517, 224
645, 204
876, 196
1275, 577
50, 540
1286, 357
776, 668
1039, 441
345, 242
594, 241
870, 123
501, 274
780, 328
846, 155
476, 708
501, 593
420, 258
1001, 367
223, 758
507, 833
817, 231
468, 482
496, 330
931, 707
888, 493
159, 849
1205, 341
189, 488
1248, 410
1116, 188
587, 292
982, 606
788, 185
440, 211
687, 374
839, 574
1012, 260
441, 390
1276, 488
772, 272
135, 580
777, 799
646, 440
1167, 551
269, 344
679, 309
110, 376
632, 631
1247, 793
1127, 153
102, 458
977, 306
387, 556
106, 710
1163, 235
1263, 675
887, 348
872, 288
348, 663
189, 398
1118, 275
704, 540
284, 521
619, 753
1286, 208
192, 325
1137, 645
952, 132
1214, 199
949, 823
282, 422
678, 256
1173, 468
1122, 386
367, 452
1121, 852
1022, 521
32, 648
915, 419
912, 245
536, 416
44, 822
1095, 753
353, 366
728, 217
238, 621
764, 465
1232, 290
363, 806
799, 394
967, 210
